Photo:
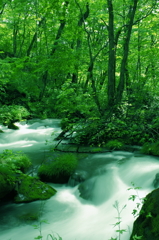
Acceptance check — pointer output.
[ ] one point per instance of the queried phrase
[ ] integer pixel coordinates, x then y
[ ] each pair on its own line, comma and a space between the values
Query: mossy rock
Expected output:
7, 183
13, 126
58, 170
147, 224
31, 189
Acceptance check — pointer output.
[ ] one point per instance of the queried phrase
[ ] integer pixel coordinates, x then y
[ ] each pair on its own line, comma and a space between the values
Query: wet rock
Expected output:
6, 187
31, 189
86, 189
156, 181
147, 224
77, 177
12, 126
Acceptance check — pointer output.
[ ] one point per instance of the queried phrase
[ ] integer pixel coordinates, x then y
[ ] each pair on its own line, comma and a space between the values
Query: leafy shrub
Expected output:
11, 165
9, 114
114, 145
15, 161
58, 170
151, 148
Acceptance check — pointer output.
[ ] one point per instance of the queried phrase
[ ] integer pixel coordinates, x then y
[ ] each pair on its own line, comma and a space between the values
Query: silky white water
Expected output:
67, 214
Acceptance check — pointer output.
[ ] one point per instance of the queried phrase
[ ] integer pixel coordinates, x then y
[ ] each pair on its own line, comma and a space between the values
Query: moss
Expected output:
58, 170
147, 224
31, 189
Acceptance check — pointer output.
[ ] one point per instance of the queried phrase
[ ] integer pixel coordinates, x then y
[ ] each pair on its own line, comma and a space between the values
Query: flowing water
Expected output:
73, 218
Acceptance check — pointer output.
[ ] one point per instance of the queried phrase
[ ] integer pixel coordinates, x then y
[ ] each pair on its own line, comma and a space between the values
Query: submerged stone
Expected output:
31, 189
146, 225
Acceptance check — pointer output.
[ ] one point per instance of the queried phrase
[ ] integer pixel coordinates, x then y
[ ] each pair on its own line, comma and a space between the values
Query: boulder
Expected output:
7, 185
86, 189
30, 189
147, 224
77, 177
156, 181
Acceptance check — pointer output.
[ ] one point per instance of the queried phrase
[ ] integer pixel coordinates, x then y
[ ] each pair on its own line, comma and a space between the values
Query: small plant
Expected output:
53, 237
38, 226
118, 223
134, 197
135, 237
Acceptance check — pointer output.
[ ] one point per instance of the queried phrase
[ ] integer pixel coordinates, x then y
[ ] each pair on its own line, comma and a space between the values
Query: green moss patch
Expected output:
58, 170
147, 224
31, 189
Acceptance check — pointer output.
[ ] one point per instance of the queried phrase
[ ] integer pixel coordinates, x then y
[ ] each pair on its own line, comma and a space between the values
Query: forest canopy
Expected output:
92, 63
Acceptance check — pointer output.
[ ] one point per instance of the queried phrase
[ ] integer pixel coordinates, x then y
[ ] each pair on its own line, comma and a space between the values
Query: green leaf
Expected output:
38, 237
121, 231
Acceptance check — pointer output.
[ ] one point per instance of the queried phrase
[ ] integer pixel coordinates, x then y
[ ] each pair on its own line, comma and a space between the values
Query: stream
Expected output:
110, 176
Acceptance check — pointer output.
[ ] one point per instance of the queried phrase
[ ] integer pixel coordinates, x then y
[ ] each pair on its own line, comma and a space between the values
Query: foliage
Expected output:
91, 63
9, 114
61, 167
151, 148
135, 197
15, 160
114, 145
12, 164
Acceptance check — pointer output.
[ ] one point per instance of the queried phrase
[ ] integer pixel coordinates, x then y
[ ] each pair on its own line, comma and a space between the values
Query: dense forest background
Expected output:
92, 63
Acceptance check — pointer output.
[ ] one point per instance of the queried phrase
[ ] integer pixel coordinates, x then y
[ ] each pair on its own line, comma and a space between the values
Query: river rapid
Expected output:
66, 213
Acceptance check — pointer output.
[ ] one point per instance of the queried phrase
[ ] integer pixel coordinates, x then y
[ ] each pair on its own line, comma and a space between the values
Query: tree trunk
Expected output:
112, 58
123, 69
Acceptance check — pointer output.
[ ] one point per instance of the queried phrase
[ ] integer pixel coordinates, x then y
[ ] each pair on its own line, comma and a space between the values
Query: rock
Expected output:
77, 177
156, 181
86, 189
6, 187
31, 189
58, 170
13, 126
147, 224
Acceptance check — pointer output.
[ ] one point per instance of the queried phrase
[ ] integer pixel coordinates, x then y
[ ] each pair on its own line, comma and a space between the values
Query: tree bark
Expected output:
123, 69
112, 58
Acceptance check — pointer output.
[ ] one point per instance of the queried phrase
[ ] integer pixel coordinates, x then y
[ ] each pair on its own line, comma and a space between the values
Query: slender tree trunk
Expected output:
112, 58
15, 32
54, 47
33, 41
123, 70
83, 17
